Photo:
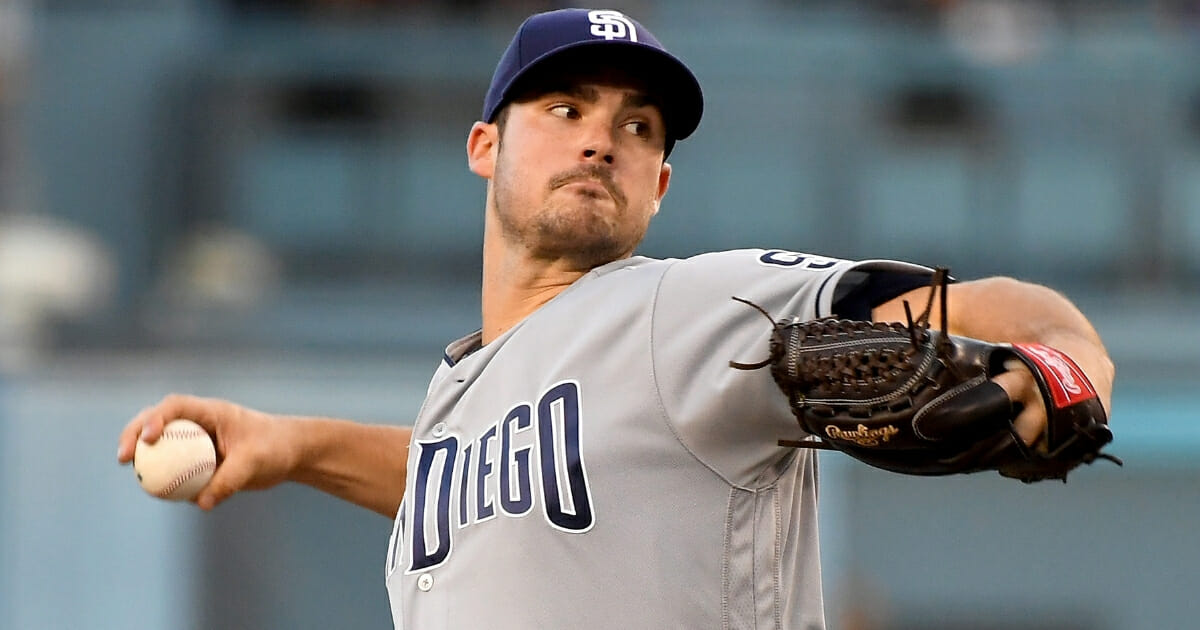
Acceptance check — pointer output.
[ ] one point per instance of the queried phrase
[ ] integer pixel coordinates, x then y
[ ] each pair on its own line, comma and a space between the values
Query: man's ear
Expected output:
482, 144
664, 182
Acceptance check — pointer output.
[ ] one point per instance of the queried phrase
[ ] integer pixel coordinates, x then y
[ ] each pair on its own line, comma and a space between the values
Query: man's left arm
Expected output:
1006, 310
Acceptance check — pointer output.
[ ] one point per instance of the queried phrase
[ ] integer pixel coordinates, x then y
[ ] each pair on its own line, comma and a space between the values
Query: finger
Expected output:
230, 476
128, 438
1018, 382
205, 412
156, 417
1030, 424
146, 426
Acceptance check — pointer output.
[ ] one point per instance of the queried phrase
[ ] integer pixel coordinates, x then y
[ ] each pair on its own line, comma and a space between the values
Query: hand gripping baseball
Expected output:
252, 448
918, 401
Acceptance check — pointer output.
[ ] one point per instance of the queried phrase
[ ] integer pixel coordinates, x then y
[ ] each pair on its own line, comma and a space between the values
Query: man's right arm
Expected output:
360, 463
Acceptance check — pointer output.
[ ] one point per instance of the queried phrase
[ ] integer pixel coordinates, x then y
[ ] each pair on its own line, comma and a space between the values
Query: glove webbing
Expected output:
917, 334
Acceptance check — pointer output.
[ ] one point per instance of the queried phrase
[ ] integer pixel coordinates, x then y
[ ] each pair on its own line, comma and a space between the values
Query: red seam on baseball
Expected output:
184, 477
182, 432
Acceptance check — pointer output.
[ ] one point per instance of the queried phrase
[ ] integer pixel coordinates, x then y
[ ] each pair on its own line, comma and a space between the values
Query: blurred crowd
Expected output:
53, 271
50, 270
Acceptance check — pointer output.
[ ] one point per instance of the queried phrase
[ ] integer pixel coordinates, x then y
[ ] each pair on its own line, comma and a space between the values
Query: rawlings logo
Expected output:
1056, 362
862, 436
1066, 383
612, 25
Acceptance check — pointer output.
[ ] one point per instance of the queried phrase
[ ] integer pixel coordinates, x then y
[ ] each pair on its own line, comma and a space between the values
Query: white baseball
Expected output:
179, 464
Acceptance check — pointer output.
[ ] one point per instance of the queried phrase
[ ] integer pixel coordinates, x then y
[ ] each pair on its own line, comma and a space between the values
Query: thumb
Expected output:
1030, 424
232, 475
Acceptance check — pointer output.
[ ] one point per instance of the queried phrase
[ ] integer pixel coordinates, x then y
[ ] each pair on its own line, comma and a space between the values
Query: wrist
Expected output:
301, 447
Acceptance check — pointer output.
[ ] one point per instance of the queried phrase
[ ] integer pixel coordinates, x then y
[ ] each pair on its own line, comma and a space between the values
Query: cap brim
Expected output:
675, 86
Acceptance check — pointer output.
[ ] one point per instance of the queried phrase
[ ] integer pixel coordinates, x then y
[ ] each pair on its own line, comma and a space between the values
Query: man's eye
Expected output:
638, 128
564, 111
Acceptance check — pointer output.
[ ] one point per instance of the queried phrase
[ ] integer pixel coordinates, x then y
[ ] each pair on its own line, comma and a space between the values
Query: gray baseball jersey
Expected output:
600, 465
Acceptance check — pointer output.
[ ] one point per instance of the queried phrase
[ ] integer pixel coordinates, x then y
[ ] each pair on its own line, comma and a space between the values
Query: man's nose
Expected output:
591, 154
598, 144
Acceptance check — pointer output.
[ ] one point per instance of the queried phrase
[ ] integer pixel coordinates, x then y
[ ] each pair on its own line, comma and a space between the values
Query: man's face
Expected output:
579, 171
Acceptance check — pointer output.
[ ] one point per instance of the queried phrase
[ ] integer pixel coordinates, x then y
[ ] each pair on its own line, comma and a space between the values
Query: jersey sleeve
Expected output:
731, 419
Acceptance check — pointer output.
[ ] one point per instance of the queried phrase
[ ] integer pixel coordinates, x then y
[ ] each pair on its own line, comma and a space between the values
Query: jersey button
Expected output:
425, 582
439, 429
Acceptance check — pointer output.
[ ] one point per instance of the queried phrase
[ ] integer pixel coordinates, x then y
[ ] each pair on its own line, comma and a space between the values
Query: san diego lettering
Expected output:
496, 473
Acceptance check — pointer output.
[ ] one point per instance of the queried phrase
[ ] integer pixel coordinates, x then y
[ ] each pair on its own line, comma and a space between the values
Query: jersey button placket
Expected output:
439, 429
425, 582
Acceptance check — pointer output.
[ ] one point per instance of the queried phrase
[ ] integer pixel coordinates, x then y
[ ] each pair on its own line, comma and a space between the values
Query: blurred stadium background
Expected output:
267, 200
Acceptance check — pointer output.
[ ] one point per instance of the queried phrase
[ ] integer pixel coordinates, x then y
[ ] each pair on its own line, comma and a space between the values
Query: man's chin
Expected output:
582, 252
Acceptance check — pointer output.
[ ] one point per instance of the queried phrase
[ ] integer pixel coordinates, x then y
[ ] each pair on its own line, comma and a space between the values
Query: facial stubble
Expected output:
583, 227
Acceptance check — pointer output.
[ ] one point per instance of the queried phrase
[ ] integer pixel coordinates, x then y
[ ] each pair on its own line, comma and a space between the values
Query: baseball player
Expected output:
589, 459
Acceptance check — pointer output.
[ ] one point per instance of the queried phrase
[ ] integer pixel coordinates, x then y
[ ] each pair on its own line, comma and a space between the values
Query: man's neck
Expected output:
515, 285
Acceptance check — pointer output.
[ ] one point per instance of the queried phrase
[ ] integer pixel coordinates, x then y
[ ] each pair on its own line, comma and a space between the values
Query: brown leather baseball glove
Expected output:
913, 400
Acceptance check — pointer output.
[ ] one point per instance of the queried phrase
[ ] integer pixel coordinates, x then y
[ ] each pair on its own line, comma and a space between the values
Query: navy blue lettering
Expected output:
397, 540
463, 514
553, 426
564, 397
483, 504
422, 558
793, 259
519, 419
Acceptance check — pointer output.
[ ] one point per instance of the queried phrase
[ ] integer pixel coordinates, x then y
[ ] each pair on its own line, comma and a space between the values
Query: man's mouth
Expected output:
589, 182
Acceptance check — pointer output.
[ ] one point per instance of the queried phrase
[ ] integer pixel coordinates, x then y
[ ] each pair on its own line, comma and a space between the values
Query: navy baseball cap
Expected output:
595, 33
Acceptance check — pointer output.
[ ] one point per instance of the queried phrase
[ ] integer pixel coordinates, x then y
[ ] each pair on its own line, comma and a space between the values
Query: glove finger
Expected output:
966, 413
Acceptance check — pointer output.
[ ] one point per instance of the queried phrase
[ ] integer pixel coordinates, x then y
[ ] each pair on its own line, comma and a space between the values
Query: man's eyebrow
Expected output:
590, 94
586, 93
640, 99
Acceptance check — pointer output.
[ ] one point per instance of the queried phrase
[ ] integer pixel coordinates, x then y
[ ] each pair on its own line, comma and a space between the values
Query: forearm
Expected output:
1007, 310
1003, 309
360, 463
